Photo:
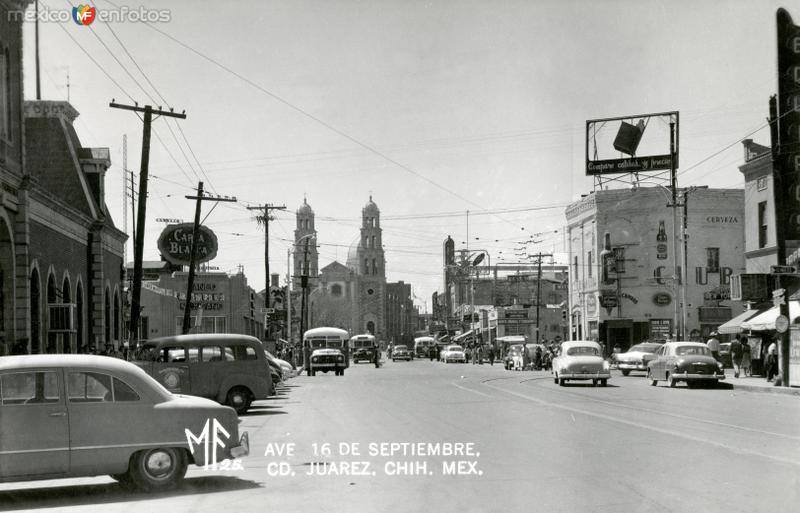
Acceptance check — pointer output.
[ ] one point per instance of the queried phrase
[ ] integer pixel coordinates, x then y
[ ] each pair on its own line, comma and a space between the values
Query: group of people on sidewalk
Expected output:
741, 357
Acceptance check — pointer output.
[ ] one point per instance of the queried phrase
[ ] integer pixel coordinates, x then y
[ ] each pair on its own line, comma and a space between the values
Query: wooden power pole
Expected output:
265, 218
138, 246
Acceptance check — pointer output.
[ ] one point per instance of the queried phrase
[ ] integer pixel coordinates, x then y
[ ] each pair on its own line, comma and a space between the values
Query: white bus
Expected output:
326, 349
422, 346
363, 347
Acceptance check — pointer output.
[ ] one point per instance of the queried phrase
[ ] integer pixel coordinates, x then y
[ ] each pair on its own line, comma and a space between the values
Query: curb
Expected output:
766, 389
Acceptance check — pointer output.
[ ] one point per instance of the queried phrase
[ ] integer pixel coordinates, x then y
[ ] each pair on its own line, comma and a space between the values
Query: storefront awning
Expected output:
764, 321
459, 338
735, 325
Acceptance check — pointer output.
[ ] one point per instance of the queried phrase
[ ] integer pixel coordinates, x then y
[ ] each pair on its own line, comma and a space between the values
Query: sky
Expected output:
459, 118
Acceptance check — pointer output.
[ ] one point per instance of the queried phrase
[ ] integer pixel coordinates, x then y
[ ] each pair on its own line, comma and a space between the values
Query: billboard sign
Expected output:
175, 244
631, 144
787, 160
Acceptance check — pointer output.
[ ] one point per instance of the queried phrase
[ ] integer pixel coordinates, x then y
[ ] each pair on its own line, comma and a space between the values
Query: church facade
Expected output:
351, 296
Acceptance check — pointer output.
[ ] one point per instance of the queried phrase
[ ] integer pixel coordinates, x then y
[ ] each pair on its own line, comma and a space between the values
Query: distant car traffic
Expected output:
691, 362
401, 352
454, 354
80, 415
515, 351
635, 358
581, 360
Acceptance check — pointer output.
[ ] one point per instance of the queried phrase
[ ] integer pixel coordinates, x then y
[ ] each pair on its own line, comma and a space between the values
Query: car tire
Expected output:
239, 398
555, 378
562, 382
603, 382
625, 372
594, 382
653, 381
158, 469
671, 381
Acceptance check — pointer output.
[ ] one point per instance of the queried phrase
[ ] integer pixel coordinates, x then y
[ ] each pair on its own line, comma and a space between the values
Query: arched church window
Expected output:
366, 266
374, 266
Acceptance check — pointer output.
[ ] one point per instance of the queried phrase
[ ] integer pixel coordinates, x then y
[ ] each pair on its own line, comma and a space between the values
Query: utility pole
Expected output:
136, 296
193, 254
264, 219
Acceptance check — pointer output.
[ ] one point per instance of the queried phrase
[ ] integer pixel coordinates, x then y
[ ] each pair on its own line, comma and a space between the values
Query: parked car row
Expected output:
671, 362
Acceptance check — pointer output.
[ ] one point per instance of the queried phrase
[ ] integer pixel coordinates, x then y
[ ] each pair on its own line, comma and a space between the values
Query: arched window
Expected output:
52, 297
373, 242
66, 297
336, 290
374, 266
36, 314
366, 266
107, 317
117, 314
79, 334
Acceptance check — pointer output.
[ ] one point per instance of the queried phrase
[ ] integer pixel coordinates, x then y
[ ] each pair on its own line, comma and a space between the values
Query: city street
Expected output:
525, 444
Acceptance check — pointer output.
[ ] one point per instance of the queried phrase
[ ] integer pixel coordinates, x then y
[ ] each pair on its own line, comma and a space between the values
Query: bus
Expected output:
325, 349
363, 347
422, 346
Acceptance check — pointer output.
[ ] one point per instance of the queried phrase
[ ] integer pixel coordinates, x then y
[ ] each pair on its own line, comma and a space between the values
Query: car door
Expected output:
658, 364
34, 431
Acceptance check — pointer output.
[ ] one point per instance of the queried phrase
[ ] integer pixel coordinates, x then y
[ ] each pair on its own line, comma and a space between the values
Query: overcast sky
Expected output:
431, 107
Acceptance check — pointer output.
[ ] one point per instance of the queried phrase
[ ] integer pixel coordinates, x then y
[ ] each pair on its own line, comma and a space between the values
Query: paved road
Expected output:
534, 446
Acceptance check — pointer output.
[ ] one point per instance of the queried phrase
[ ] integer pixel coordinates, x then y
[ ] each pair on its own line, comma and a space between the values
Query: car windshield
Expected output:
687, 350
455, 348
645, 348
583, 351
400, 348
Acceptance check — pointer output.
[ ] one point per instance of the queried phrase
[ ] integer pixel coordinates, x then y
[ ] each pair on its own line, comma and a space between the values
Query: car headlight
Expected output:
719, 365
314, 359
340, 358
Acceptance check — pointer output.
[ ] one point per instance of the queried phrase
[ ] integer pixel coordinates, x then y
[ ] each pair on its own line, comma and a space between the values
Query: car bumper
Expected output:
585, 375
316, 366
632, 366
697, 377
456, 359
243, 449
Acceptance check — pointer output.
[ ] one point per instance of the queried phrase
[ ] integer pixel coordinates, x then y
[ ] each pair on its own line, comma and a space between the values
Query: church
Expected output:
352, 295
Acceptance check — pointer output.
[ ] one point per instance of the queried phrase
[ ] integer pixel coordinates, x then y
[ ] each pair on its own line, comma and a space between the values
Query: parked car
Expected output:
454, 353
83, 415
401, 352
288, 370
231, 369
725, 355
635, 358
581, 360
691, 362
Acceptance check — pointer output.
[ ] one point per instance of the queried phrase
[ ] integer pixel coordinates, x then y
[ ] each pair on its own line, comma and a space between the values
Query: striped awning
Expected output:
735, 325
764, 321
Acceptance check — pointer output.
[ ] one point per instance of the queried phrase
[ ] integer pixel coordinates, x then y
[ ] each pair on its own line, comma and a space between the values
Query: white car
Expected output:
286, 367
454, 354
581, 360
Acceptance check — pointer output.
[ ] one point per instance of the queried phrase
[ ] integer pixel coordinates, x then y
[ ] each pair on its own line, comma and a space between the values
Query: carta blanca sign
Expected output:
175, 244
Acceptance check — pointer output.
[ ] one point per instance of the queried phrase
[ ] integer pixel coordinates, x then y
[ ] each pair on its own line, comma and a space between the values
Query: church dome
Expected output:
305, 209
371, 208
352, 255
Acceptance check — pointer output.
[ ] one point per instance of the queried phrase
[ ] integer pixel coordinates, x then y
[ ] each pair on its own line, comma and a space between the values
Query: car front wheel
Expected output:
239, 399
672, 381
158, 469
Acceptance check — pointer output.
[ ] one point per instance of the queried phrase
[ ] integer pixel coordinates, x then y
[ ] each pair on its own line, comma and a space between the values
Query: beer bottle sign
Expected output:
661, 242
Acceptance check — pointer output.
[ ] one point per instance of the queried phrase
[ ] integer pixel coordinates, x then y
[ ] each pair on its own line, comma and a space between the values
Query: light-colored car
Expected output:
454, 353
401, 352
326, 359
80, 415
636, 358
286, 367
581, 360
691, 362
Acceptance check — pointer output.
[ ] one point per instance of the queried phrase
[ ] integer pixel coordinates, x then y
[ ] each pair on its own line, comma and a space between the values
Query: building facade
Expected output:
761, 248
639, 294
401, 314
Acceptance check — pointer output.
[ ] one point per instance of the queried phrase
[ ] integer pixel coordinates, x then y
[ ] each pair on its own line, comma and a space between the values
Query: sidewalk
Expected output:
757, 384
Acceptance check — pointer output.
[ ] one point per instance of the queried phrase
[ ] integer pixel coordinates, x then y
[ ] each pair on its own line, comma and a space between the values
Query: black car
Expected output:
364, 354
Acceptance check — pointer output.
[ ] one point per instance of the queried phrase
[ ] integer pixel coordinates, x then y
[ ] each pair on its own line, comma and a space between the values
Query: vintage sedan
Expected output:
401, 352
454, 353
80, 415
327, 359
691, 362
581, 360
635, 358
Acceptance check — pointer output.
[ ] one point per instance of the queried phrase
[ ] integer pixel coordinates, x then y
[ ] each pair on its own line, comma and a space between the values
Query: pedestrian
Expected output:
713, 345
432, 352
736, 355
491, 356
772, 361
747, 369
377, 357
480, 355
537, 358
